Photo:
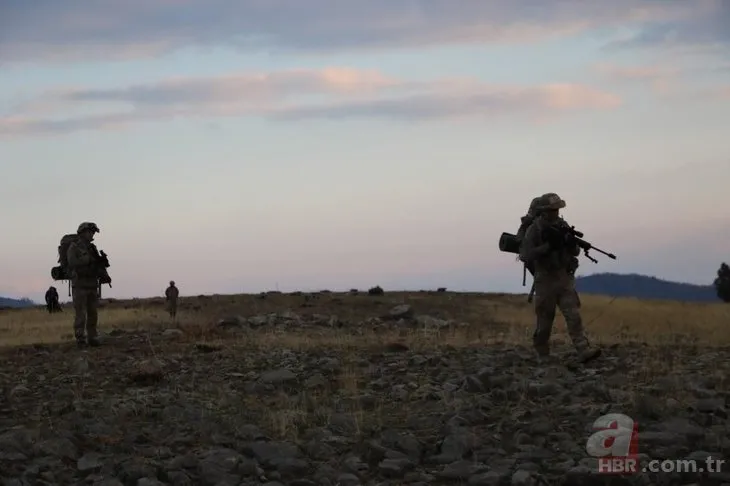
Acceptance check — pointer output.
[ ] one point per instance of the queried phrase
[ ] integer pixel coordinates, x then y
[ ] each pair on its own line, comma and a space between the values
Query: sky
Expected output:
251, 145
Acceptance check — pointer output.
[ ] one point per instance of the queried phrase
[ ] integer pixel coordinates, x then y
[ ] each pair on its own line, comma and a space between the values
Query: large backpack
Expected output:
61, 272
510, 243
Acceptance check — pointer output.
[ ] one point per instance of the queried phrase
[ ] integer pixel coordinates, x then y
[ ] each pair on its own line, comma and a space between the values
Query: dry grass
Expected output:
347, 400
492, 318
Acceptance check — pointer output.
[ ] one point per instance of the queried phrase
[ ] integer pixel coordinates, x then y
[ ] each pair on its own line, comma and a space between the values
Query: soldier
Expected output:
555, 261
171, 295
52, 304
85, 278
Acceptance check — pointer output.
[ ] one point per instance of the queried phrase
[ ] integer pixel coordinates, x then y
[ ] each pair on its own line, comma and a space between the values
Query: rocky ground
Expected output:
169, 408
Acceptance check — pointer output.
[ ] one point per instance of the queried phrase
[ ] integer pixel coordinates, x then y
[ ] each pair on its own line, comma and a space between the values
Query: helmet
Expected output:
551, 201
172, 282
534, 206
87, 226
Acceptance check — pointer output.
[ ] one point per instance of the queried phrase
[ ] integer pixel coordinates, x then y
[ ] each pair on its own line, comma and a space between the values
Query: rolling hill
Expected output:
644, 287
8, 302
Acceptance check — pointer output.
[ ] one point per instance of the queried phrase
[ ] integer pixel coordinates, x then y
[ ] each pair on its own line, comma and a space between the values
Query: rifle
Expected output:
510, 243
570, 235
102, 261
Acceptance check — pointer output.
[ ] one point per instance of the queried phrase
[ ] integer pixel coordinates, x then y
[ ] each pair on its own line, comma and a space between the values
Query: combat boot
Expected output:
80, 340
589, 354
543, 352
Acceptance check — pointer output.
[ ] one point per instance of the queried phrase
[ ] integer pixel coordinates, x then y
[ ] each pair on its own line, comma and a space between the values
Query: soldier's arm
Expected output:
78, 257
531, 247
573, 250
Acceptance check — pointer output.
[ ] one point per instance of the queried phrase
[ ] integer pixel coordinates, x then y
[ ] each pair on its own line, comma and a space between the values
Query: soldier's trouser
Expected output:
86, 302
172, 308
549, 294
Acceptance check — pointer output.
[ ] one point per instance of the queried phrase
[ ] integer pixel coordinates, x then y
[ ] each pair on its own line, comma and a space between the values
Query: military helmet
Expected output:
87, 226
551, 201
534, 206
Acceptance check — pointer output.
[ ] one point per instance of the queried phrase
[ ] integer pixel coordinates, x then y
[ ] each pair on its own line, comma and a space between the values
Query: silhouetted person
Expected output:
52, 303
171, 295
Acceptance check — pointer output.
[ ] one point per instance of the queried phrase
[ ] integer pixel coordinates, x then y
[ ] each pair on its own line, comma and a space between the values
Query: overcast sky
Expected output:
245, 145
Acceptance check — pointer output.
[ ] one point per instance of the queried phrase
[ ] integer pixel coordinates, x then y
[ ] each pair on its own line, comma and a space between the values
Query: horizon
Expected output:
236, 146
64, 298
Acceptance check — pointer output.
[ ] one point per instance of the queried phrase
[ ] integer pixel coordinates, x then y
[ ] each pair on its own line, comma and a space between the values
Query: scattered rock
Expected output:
151, 409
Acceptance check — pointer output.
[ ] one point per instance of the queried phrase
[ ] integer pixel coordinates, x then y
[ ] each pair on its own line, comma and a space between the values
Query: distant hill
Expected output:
644, 287
8, 302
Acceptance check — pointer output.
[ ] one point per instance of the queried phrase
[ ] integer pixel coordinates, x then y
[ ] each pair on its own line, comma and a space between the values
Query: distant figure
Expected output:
171, 295
52, 303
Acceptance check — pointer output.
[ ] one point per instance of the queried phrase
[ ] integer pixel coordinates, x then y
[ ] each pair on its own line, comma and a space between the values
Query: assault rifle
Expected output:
102, 261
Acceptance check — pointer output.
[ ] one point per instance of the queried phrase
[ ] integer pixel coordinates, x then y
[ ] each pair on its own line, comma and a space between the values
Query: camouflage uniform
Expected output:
85, 284
171, 295
554, 282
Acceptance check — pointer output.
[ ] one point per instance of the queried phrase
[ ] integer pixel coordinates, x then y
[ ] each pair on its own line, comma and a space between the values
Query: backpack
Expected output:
61, 272
510, 243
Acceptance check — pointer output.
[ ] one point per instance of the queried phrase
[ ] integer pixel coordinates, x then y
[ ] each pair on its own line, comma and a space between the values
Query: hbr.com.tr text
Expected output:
631, 465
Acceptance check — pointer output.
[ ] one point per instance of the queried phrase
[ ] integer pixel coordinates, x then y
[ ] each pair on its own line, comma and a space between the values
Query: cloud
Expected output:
113, 29
661, 79
668, 79
293, 95
703, 26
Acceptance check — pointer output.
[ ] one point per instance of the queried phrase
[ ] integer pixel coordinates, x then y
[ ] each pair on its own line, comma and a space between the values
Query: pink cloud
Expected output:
296, 94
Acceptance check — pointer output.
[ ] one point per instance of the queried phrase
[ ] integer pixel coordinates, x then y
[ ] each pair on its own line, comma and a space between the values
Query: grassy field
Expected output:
324, 362
492, 318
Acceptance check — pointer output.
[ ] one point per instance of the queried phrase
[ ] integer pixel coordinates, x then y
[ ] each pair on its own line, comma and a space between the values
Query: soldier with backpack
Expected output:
52, 303
171, 295
87, 270
553, 255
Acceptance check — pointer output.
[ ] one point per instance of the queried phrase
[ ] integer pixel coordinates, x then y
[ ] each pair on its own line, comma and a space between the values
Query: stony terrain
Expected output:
300, 397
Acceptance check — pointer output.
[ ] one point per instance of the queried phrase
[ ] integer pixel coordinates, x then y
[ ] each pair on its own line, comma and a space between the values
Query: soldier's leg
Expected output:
569, 304
79, 299
92, 305
545, 302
